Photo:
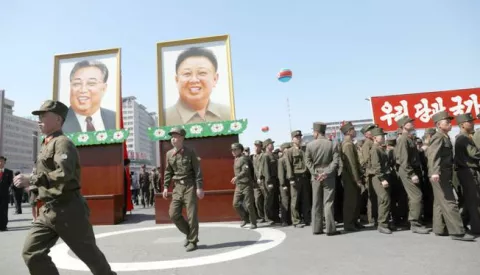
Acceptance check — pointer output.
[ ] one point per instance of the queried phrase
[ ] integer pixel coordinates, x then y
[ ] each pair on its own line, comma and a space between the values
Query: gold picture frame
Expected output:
187, 43
59, 88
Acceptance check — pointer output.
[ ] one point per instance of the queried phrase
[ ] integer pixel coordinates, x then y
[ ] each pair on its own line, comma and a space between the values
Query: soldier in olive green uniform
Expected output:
285, 212
65, 213
258, 188
269, 171
409, 171
299, 181
371, 203
379, 166
183, 168
398, 196
243, 195
476, 136
467, 163
321, 158
351, 178
446, 214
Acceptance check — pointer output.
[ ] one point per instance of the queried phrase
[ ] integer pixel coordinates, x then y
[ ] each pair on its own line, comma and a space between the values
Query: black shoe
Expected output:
334, 233
299, 225
185, 243
350, 229
359, 226
3, 229
243, 224
441, 234
384, 230
464, 237
191, 247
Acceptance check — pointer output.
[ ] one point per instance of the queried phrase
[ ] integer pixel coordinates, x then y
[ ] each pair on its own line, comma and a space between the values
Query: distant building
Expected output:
20, 139
137, 120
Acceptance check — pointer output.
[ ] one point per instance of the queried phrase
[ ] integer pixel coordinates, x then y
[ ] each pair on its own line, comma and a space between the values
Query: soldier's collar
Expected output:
47, 139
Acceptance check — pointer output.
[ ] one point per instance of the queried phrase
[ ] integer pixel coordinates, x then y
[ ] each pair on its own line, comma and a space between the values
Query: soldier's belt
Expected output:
320, 166
62, 199
183, 181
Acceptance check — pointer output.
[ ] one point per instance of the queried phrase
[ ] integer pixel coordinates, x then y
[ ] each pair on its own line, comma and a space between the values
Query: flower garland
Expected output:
201, 130
99, 137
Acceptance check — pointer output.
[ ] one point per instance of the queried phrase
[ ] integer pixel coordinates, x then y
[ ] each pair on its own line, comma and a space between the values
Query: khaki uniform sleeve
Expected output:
66, 161
168, 173
288, 164
266, 172
309, 160
472, 150
402, 156
351, 158
282, 165
244, 168
197, 170
376, 166
434, 157
335, 160
365, 155
476, 138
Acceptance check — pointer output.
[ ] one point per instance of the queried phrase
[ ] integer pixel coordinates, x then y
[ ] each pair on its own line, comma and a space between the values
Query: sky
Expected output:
340, 52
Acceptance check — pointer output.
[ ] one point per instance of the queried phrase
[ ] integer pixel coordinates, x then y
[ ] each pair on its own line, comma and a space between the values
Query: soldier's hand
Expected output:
200, 193
384, 183
415, 179
234, 179
285, 188
165, 193
270, 186
259, 181
21, 181
360, 183
435, 178
292, 182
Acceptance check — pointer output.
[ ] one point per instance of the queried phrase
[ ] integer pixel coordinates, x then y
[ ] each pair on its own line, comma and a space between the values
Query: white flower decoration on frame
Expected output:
217, 127
159, 133
83, 138
196, 129
236, 126
102, 136
118, 135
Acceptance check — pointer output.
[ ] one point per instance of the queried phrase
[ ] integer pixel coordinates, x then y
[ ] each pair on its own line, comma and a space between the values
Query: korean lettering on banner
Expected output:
388, 109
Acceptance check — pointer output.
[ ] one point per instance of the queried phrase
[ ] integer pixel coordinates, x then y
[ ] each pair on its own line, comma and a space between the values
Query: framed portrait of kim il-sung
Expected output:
90, 84
195, 82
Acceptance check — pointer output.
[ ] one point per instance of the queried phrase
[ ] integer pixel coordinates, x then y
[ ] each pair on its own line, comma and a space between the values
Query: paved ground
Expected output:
279, 251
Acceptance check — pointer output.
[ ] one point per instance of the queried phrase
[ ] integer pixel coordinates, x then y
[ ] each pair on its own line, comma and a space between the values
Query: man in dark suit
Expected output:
88, 85
18, 197
6, 180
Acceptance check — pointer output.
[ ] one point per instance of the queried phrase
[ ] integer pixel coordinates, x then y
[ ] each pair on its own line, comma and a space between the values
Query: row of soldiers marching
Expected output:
298, 185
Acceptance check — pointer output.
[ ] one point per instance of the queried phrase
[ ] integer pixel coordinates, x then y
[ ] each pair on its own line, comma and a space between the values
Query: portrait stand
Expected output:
217, 167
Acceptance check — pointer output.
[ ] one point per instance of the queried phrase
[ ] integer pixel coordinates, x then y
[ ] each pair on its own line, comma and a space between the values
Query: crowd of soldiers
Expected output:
403, 182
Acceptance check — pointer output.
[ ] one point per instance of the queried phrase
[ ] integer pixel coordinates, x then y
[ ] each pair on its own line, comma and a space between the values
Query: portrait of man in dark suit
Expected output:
88, 85
6, 181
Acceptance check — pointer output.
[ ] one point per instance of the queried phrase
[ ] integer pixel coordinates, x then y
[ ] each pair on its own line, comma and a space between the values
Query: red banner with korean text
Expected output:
422, 106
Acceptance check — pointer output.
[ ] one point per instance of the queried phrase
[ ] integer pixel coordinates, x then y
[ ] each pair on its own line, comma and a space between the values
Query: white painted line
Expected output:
269, 238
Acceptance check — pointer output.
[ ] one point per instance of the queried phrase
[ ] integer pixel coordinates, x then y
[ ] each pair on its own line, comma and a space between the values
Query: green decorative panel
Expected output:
201, 130
99, 137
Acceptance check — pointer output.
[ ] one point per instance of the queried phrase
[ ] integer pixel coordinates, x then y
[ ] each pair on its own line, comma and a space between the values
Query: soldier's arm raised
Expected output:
168, 174
349, 151
402, 156
65, 158
197, 169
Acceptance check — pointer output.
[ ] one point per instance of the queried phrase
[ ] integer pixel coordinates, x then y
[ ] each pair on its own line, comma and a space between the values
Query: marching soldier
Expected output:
270, 183
321, 158
409, 172
371, 202
258, 188
144, 179
379, 166
65, 213
398, 196
351, 178
446, 216
299, 181
183, 168
467, 163
285, 212
243, 195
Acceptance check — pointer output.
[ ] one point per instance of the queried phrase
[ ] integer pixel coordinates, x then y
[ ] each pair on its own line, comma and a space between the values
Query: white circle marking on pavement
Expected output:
269, 238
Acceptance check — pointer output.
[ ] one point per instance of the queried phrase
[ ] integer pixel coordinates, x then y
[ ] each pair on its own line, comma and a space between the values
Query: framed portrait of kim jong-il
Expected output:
90, 84
195, 81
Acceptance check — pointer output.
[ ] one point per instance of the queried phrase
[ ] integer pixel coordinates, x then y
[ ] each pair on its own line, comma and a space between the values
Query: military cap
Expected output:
378, 132
441, 116
319, 127
286, 145
258, 142
296, 133
276, 151
391, 142
368, 127
247, 148
268, 141
430, 131
52, 106
404, 120
177, 130
419, 140
237, 146
467, 117
346, 127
